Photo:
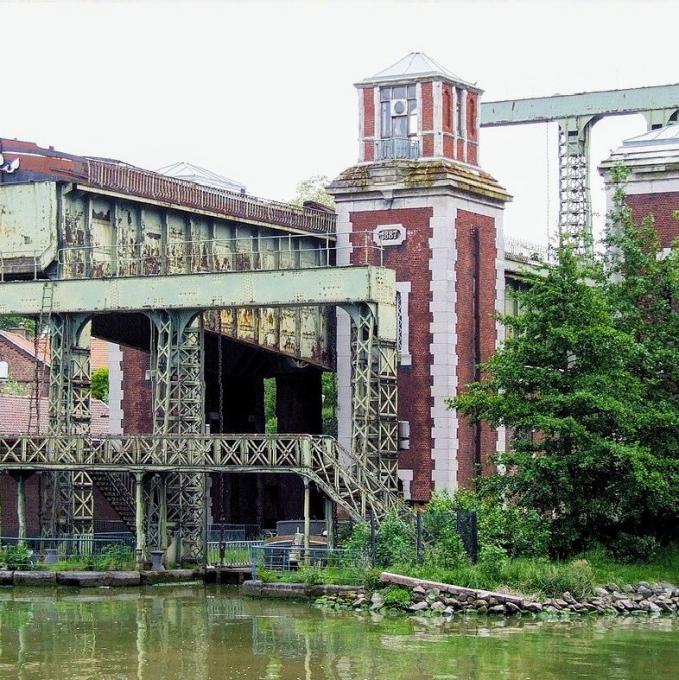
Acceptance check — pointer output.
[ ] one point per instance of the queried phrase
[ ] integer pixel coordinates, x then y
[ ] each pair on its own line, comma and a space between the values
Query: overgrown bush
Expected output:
520, 531
492, 562
396, 596
15, 556
629, 548
395, 541
444, 545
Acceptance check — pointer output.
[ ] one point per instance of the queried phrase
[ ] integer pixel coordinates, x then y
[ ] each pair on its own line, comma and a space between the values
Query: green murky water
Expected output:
195, 633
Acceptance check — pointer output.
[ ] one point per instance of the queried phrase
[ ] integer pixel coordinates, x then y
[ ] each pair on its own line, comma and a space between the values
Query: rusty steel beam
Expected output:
340, 286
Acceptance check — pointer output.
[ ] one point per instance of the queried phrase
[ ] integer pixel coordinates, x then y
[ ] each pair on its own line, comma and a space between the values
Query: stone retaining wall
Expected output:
297, 590
97, 579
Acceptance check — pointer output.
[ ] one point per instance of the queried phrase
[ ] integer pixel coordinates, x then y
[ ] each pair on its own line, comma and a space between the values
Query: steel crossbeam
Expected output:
576, 114
353, 483
275, 288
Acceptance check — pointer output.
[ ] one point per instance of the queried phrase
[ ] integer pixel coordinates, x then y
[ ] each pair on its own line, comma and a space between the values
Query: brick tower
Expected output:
653, 183
418, 194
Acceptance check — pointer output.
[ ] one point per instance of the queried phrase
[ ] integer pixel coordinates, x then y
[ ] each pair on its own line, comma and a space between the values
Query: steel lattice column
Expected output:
67, 497
374, 395
575, 212
178, 402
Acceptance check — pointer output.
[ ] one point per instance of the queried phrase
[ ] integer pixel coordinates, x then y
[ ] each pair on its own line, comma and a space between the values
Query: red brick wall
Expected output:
464, 286
137, 398
10, 520
368, 104
411, 262
368, 112
661, 206
460, 150
21, 366
427, 120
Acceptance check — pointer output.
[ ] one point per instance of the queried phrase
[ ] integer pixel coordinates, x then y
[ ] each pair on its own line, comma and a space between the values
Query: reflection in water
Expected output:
205, 634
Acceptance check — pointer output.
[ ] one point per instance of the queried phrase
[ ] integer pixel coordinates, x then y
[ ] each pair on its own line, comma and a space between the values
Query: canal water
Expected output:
197, 633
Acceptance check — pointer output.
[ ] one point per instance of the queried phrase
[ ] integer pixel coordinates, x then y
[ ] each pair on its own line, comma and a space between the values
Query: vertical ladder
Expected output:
40, 353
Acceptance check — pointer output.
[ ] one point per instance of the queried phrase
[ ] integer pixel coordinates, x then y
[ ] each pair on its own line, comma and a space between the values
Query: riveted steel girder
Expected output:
279, 288
598, 103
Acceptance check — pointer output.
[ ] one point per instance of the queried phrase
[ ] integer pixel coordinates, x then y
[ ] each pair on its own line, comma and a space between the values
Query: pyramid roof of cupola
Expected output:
415, 66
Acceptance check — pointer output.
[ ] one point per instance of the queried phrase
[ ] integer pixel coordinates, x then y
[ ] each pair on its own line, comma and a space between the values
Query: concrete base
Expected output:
294, 590
34, 578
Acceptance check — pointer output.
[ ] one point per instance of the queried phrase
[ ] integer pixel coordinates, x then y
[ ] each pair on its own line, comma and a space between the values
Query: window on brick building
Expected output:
398, 107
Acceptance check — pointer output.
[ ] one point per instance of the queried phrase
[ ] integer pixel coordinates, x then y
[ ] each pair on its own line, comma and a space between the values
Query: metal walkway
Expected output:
352, 483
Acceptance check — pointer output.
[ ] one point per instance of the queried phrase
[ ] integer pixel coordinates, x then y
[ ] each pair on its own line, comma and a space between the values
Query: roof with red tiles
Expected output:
27, 345
15, 415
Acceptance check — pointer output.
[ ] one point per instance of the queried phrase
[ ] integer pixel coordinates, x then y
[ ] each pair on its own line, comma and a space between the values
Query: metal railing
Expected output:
213, 256
526, 250
199, 256
231, 553
345, 565
352, 482
130, 180
66, 547
233, 532
397, 148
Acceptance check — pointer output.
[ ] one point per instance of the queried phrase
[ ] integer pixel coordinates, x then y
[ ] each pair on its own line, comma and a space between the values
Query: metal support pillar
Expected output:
307, 519
330, 522
139, 519
178, 408
162, 513
575, 207
67, 504
374, 395
21, 505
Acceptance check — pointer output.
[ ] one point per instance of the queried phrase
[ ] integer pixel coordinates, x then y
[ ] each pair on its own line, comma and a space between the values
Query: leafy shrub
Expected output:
311, 576
15, 556
396, 596
445, 548
358, 540
492, 562
371, 579
629, 548
114, 557
520, 531
395, 541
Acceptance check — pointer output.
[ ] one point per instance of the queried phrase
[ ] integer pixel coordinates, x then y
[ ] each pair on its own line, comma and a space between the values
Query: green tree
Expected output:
643, 285
566, 385
270, 417
313, 189
14, 321
99, 386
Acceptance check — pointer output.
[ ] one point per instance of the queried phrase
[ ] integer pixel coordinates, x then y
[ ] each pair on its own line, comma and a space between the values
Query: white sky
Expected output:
263, 92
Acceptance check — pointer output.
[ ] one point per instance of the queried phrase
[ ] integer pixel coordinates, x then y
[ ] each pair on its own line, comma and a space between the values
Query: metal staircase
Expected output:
118, 490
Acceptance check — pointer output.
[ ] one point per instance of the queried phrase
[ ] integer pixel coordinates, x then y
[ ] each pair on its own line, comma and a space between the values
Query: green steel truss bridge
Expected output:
110, 239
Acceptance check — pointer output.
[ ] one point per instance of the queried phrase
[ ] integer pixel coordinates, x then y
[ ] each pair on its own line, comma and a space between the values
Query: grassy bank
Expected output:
541, 577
